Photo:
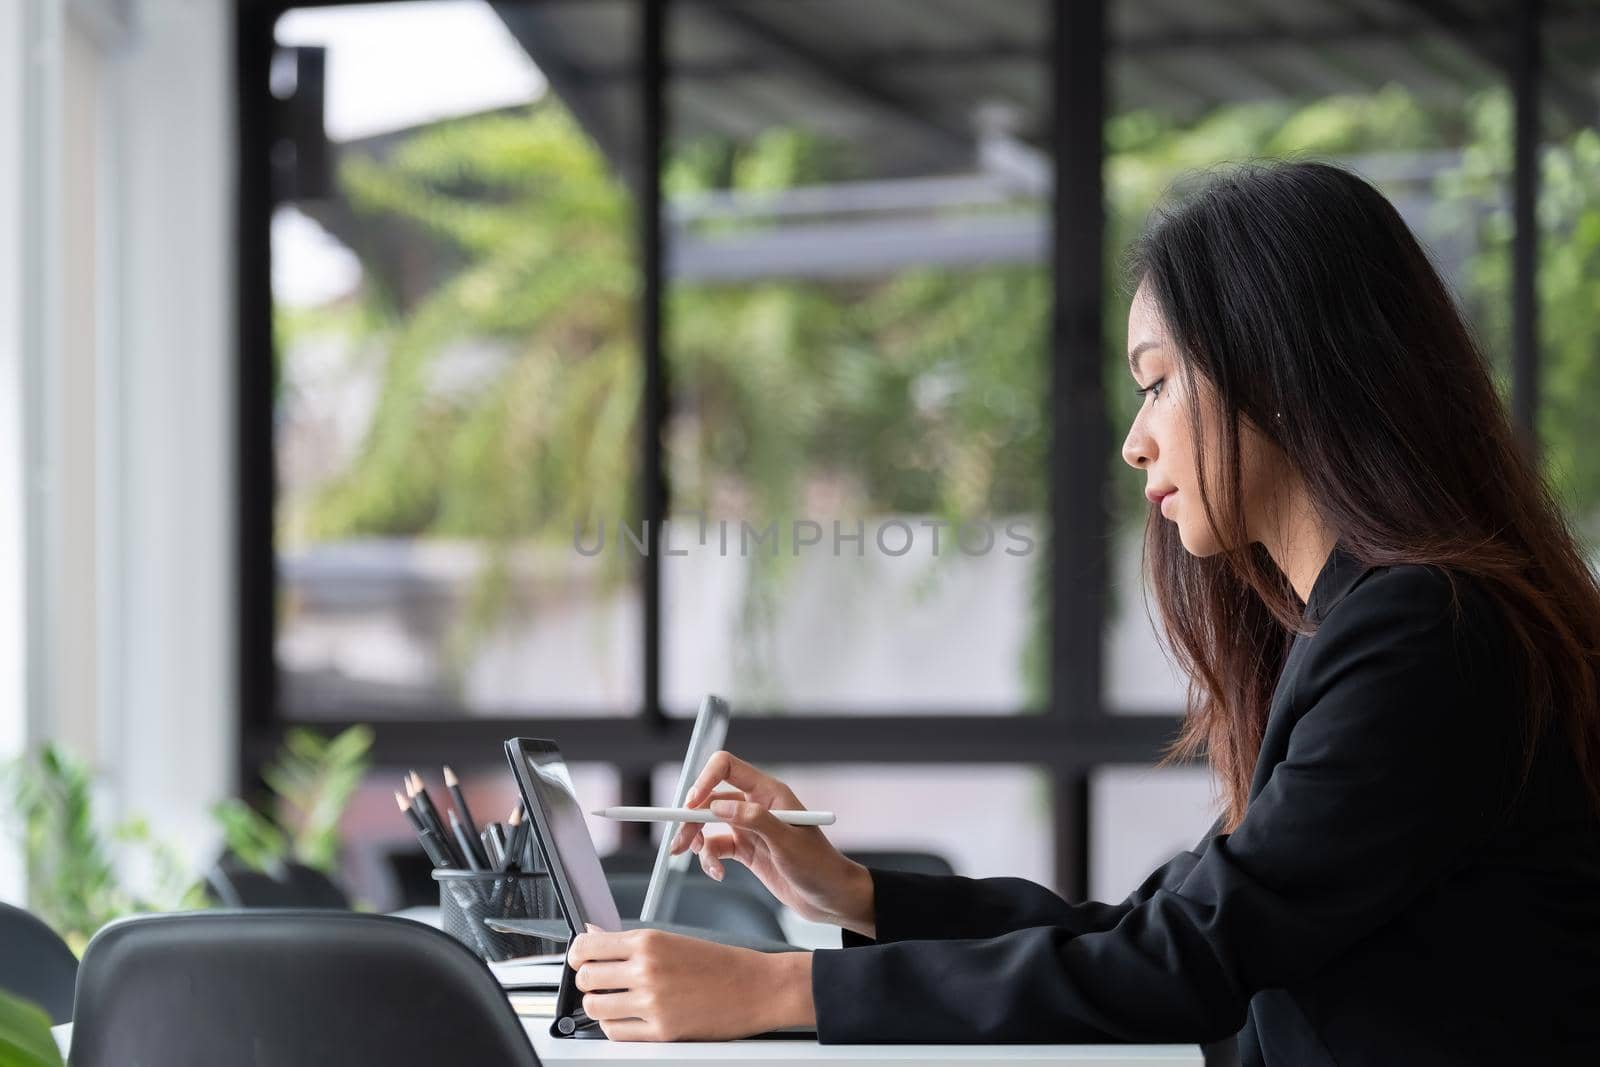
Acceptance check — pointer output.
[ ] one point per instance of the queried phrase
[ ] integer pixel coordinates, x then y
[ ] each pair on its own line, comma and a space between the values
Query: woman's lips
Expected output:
1164, 500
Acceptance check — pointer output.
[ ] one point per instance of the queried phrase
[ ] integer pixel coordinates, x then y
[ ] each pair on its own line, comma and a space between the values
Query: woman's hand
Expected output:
796, 863
648, 985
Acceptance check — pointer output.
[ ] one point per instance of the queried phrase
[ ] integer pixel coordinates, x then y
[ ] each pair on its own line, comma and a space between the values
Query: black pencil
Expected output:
464, 841
516, 839
430, 816
411, 815
470, 825
437, 853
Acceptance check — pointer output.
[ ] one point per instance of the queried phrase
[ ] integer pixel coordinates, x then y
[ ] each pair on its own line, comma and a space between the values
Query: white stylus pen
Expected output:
638, 814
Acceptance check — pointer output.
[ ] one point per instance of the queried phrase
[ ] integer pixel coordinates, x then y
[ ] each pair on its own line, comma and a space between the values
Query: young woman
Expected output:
1392, 641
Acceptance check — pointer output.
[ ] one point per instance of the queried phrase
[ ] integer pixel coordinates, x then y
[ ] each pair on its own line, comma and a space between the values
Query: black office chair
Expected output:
910, 861
302, 988
230, 884
411, 876
1223, 1053
36, 964
703, 903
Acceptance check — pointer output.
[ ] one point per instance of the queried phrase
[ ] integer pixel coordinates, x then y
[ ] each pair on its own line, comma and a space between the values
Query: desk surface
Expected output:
557, 1052
774, 1053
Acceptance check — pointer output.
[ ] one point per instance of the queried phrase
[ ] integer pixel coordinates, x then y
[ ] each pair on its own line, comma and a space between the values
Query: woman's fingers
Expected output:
688, 833
749, 815
603, 975
740, 845
722, 767
716, 848
606, 1006
629, 1030
599, 944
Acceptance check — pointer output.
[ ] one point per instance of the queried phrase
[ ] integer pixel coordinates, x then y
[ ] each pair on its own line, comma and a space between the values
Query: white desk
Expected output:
559, 1052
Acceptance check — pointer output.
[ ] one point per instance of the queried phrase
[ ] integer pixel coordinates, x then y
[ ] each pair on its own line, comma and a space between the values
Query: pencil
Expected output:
516, 838
460, 833
432, 844
430, 816
468, 824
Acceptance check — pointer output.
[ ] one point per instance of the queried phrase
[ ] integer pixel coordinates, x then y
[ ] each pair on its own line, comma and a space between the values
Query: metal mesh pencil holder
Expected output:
467, 898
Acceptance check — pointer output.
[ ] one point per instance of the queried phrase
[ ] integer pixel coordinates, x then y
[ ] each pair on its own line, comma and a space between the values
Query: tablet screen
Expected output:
563, 835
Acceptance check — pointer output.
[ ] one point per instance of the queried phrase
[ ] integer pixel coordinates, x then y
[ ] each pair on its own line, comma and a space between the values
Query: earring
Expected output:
1279, 415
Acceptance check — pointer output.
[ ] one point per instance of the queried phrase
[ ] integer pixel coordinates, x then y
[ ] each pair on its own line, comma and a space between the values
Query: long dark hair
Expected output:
1297, 287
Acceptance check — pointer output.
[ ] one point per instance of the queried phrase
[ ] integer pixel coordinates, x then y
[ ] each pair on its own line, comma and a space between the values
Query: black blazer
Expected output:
1376, 904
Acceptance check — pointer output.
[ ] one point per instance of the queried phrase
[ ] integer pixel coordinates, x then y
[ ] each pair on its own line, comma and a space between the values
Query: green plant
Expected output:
72, 878
25, 1038
312, 781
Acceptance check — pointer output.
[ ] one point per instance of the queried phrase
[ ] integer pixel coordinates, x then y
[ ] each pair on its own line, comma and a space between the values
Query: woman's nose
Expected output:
1137, 448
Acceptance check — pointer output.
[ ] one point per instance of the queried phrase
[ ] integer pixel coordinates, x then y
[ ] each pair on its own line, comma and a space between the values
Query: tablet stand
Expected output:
570, 1021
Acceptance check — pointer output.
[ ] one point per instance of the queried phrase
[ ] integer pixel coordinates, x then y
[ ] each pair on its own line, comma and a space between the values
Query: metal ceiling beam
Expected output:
1501, 49
1172, 14
772, 45
859, 249
1466, 28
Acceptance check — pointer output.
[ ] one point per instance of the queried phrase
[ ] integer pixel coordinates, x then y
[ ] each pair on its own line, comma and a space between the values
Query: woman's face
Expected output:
1161, 441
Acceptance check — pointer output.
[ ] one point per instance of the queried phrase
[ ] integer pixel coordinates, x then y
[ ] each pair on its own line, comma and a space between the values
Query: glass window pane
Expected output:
1141, 817
1422, 115
858, 341
454, 293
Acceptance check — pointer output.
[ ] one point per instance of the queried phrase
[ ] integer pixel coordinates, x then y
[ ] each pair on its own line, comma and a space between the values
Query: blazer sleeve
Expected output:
1392, 772
926, 906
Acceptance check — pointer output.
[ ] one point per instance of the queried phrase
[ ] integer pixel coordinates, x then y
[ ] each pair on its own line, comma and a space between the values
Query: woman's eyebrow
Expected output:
1133, 357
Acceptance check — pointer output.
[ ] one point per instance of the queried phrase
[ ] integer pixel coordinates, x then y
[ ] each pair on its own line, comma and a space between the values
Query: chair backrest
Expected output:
909, 861
231, 884
35, 964
300, 988
705, 904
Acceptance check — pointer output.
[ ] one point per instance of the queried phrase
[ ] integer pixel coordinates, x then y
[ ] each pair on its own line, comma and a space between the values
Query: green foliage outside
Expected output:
73, 881
921, 393
25, 1038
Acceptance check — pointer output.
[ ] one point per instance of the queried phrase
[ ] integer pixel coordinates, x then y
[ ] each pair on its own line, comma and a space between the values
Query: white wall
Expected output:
116, 402
13, 527
170, 697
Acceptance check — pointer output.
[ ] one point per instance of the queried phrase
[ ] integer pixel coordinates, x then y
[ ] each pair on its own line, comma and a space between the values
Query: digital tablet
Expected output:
563, 836
666, 877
